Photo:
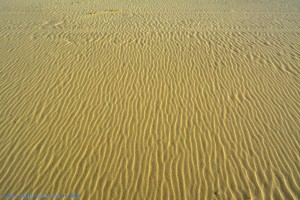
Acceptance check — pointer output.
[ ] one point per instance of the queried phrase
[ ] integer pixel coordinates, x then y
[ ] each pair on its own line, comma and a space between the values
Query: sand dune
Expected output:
150, 100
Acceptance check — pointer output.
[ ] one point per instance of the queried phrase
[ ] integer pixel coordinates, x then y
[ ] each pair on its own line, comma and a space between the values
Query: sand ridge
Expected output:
150, 100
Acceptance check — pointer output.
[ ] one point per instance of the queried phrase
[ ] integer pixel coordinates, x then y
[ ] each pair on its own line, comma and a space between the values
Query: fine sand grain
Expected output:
150, 99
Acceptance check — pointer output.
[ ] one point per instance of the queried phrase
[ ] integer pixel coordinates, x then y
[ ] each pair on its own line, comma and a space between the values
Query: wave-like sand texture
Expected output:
150, 100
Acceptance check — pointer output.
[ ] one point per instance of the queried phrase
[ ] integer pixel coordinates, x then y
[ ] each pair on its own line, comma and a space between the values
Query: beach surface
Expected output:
150, 99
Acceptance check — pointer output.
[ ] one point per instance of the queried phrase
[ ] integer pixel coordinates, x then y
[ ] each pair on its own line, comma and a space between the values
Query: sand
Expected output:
150, 99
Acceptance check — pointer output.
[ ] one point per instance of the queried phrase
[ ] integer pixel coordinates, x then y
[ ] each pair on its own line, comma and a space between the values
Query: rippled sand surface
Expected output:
150, 99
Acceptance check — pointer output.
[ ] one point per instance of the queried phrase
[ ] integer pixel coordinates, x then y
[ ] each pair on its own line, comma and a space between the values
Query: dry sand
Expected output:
150, 100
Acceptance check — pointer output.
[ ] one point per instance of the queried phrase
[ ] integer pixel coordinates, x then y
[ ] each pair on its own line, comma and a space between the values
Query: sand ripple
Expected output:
124, 102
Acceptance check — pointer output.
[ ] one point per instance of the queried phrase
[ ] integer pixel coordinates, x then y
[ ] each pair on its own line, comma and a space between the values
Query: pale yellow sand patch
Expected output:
150, 100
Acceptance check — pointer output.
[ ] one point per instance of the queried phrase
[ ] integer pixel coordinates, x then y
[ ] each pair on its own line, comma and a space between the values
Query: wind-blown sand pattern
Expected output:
150, 100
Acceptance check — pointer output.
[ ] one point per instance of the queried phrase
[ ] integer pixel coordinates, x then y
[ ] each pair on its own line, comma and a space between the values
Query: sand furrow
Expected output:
150, 100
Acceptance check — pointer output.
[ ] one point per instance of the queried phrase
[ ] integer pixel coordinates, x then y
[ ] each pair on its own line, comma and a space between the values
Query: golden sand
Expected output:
150, 100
